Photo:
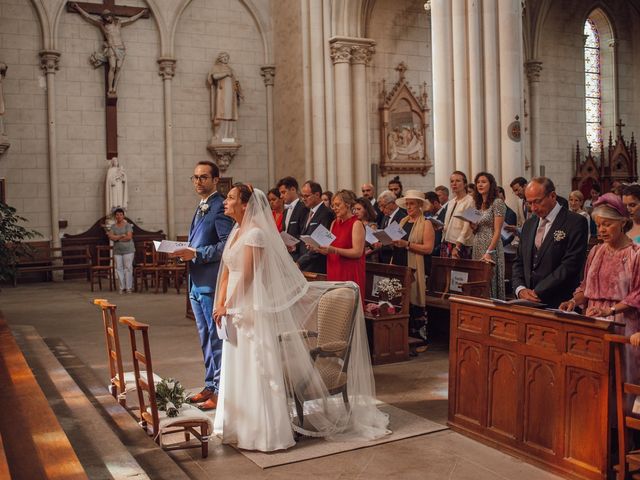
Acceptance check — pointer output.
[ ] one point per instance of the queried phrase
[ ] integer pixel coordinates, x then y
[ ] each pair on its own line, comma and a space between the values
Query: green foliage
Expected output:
169, 396
12, 234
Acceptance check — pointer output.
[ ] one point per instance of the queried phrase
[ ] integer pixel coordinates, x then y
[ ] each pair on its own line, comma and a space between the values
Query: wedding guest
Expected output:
510, 217
368, 192
121, 234
552, 248
395, 185
295, 211
364, 212
443, 195
471, 189
523, 212
310, 261
410, 251
631, 199
611, 284
391, 213
433, 209
594, 194
457, 235
277, 208
345, 255
487, 245
326, 198
576, 201
207, 237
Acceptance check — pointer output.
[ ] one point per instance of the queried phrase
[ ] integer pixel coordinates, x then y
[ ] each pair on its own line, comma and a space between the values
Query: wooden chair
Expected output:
190, 420
102, 267
628, 460
335, 321
172, 271
120, 382
147, 268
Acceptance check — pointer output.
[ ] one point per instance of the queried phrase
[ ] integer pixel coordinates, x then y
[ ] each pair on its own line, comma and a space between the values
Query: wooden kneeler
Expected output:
120, 382
190, 421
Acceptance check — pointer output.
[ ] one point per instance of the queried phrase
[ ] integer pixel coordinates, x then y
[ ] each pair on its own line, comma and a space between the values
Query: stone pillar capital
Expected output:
167, 67
351, 50
268, 73
49, 61
361, 54
340, 53
533, 67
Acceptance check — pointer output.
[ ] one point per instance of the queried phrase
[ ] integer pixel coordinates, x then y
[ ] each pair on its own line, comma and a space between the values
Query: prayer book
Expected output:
289, 240
471, 215
169, 246
437, 224
519, 302
393, 232
320, 237
370, 238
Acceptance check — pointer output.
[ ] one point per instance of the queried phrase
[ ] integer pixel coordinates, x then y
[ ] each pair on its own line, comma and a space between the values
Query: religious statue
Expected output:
116, 193
113, 52
225, 96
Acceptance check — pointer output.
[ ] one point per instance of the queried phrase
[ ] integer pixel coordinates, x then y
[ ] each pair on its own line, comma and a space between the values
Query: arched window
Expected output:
593, 85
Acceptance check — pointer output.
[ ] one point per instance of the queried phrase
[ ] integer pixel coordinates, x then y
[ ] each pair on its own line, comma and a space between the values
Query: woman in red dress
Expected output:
345, 256
277, 208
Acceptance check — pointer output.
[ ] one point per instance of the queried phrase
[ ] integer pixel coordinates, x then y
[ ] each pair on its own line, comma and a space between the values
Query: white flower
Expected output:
204, 208
170, 385
390, 287
559, 235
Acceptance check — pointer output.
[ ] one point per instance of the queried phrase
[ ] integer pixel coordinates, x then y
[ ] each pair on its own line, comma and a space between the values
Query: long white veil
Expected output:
273, 303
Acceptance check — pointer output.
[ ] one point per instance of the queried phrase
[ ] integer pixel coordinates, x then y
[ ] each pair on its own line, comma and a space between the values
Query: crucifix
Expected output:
620, 125
113, 53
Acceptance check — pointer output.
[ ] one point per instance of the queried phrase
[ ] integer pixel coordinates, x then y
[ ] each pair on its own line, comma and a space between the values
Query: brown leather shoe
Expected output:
204, 395
210, 404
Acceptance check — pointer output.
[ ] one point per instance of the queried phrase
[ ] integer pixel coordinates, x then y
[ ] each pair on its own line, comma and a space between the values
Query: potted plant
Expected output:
12, 234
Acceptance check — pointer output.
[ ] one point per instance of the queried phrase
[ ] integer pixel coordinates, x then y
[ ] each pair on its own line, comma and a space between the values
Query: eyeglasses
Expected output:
199, 179
538, 201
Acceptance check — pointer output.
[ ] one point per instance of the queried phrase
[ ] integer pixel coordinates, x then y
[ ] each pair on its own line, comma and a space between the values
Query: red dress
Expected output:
342, 268
279, 219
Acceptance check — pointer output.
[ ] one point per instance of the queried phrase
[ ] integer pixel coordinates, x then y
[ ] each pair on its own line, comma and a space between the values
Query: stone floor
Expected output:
62, 314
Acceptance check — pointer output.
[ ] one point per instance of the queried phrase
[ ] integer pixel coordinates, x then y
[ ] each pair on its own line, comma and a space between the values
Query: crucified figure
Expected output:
114, 51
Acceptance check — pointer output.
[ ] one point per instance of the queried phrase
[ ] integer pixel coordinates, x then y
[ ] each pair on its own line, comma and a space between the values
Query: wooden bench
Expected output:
48, 259
36, 447
457, 276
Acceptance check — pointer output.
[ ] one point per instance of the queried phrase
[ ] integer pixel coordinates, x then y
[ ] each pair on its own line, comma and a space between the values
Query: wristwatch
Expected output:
613, 310
408, 245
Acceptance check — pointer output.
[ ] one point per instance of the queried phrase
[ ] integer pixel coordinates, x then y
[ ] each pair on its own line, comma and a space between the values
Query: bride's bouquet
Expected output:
388, 289
170, 396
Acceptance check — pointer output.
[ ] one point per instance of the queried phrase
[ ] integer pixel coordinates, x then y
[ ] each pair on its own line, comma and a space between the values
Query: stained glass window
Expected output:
593, 85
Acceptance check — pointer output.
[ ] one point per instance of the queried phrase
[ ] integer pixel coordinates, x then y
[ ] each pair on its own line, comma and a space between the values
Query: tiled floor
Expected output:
63, 315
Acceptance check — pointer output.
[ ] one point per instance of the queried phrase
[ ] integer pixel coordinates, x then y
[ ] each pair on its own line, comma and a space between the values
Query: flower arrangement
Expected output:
170, 396
390, 288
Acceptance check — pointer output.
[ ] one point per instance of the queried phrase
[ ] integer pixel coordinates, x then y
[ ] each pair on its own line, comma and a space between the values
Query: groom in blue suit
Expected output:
207, 236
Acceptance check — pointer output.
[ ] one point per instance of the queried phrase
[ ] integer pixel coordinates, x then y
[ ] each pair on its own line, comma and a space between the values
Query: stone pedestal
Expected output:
4, 143
223, 153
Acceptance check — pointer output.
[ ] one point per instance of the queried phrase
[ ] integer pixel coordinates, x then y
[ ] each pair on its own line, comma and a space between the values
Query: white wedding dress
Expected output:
252, 405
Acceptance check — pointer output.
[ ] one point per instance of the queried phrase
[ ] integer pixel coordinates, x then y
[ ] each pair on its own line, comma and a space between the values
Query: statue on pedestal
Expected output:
225, 93
116, 188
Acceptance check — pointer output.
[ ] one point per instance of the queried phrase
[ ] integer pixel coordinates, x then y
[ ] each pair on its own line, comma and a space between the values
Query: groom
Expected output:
207, 235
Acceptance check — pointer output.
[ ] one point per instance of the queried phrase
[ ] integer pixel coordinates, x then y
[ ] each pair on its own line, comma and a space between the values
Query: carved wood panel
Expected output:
470, 321
541, 336
585, 346
469, 381
503, 328
503, 394
540, 392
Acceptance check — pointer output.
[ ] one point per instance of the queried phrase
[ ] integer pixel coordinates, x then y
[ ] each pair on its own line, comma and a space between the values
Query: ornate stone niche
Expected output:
403, 132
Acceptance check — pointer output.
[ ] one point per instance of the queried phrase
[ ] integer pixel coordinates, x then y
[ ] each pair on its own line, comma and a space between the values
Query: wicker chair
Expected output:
335, 323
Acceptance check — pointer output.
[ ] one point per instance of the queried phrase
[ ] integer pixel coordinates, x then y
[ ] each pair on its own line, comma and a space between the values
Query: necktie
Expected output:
385, 221
540, 232
308, 219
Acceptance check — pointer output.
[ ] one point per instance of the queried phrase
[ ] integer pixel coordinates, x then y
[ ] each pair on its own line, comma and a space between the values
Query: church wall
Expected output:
562, 84
206, 28
25, 164
288, 94
402, 32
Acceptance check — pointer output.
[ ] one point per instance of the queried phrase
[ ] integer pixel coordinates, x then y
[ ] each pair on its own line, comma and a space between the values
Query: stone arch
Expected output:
45, 28
349, 18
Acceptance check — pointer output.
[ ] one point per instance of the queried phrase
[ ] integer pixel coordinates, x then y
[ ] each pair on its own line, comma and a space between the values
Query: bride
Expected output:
264, 302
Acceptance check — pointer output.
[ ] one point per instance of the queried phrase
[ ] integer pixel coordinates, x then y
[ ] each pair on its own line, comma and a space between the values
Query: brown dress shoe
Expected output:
210, 404
201, 397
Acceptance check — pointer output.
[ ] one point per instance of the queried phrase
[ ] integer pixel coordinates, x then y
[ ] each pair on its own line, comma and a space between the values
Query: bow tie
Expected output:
288, 206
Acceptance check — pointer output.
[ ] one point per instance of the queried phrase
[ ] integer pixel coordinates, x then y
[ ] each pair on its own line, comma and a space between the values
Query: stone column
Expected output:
341, 57
443, 127
360, 58
268, 73
491, 88
534, 67
318, 117
613, 45
511, 91
460, 85
167, 71
332, 168
476, 93
49, 62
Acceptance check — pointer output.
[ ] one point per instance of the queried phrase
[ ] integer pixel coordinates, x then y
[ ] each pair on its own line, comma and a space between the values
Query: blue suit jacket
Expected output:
208, 235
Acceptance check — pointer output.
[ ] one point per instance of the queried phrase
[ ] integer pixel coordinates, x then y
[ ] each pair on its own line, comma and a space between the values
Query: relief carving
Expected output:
504, 329
540, 336
540, 391
584, 345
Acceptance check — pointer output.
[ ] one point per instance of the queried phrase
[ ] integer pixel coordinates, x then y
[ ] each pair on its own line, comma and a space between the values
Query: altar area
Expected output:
71, 331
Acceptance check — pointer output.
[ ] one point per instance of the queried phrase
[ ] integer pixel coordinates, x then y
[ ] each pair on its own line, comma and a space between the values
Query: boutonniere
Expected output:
204, 208
559, 235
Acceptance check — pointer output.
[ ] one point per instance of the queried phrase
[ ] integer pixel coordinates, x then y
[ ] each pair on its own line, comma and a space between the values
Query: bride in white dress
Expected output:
262, 298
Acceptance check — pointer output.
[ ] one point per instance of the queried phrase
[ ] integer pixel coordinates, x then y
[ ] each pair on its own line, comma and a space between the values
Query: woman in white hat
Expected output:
411, 250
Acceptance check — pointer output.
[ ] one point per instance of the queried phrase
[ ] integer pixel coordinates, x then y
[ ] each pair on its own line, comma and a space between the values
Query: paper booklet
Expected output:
519, 302
504, 233
289, 240
370, 238
471, 215
320, 237
169, 246
226, 330
436, 223
393, 232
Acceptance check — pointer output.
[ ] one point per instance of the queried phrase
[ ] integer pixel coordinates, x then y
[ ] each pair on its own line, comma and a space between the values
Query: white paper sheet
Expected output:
289, 240
227, 330
393, 232
457, 279
471, 215
437, 224
320, 237
370, 238
169, 246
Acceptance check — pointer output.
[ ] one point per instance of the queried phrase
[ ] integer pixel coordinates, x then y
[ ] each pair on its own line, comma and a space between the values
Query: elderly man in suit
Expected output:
552, 249
207, 235
295, 213
319, 214
392, 213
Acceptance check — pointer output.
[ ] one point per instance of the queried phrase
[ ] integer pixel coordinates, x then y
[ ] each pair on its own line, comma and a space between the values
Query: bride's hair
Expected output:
245, 191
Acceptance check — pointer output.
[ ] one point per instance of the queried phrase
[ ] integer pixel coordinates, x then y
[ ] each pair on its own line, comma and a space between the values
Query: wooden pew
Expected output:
33, 442
48, 259
470, 278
